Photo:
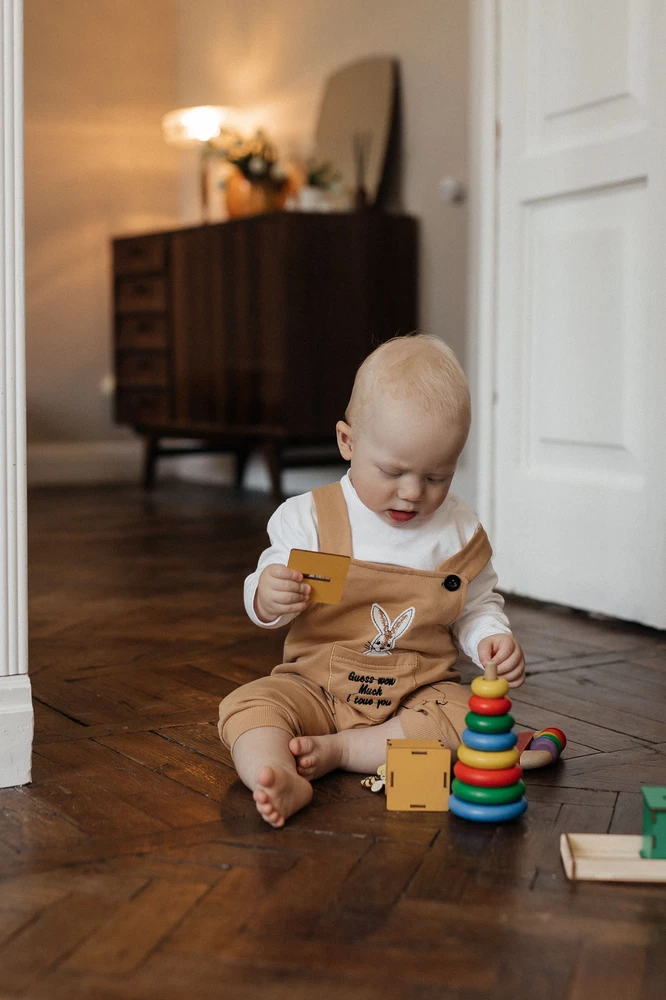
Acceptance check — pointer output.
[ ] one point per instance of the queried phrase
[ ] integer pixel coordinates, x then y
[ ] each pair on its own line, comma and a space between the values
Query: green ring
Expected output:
548, 736
489, 723
488, 796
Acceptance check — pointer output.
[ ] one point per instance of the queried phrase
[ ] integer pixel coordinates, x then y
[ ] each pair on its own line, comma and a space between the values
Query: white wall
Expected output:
273, 56
98, 78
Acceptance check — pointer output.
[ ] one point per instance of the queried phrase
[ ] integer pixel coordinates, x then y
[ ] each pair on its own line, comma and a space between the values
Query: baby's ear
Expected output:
344, 435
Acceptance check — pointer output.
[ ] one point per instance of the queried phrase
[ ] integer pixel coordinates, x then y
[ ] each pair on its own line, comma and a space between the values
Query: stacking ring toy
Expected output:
492, 742
489, 706
489, 723
487, 779
488, 796
486, 814
487, 786
544, 748
552, 731
490, 689
488, 761
547, 734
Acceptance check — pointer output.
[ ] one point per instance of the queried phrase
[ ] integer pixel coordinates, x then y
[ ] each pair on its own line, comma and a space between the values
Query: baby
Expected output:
380, 664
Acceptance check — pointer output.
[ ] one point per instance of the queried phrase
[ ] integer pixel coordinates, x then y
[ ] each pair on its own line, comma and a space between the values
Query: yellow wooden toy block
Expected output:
417, 775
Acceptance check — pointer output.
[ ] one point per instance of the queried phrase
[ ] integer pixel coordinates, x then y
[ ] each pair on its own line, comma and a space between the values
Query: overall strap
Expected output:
472, 557
332, 520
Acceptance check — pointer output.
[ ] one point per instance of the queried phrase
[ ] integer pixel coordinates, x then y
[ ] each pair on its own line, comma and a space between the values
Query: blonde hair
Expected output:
417, 367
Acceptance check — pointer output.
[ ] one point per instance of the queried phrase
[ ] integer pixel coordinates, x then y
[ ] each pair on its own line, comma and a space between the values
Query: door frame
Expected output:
16, 713
482, 260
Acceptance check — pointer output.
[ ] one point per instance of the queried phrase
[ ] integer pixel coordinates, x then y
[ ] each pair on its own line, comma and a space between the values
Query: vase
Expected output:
246, 197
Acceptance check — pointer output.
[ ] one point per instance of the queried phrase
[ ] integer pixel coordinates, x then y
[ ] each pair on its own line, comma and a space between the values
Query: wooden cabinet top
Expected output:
351, 221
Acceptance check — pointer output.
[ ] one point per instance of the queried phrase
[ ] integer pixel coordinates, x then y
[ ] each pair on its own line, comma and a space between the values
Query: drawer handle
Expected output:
135, 251
141, 289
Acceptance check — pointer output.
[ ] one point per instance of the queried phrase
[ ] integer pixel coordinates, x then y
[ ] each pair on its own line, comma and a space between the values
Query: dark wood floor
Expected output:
136, 866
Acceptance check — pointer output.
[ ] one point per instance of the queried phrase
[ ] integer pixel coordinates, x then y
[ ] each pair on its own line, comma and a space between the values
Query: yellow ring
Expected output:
490, 689
486, 760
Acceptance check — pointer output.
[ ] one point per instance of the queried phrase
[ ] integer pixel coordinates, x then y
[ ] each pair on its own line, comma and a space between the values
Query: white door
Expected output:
580, 416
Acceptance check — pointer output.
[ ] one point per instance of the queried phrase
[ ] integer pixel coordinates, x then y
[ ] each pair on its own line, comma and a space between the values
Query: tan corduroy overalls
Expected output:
386, 649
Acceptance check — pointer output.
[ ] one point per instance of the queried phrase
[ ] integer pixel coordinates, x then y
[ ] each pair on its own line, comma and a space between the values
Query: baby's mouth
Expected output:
401, 515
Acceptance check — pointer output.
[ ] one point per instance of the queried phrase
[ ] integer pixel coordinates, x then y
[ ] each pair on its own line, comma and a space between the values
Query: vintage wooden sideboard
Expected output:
247, 334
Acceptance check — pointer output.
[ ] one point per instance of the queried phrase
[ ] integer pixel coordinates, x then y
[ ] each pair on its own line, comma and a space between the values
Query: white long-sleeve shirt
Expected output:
423, 544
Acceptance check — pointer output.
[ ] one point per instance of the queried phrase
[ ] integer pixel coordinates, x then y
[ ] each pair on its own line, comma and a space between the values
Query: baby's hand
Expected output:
507, 654
281, 591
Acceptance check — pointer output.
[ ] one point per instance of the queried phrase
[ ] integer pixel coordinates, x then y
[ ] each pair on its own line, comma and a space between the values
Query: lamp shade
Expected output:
192, 126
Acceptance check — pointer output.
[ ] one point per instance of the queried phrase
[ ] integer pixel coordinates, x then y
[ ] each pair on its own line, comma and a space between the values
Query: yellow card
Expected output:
326, 573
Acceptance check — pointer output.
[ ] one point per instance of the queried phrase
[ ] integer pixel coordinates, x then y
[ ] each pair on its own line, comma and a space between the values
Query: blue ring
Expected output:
486, 814
489, 741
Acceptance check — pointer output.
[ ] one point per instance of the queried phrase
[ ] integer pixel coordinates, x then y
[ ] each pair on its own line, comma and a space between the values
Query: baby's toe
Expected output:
300, 745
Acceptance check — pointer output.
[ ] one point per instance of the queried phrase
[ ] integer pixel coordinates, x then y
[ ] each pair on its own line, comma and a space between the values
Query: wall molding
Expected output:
16, 717
16, 730
482, 334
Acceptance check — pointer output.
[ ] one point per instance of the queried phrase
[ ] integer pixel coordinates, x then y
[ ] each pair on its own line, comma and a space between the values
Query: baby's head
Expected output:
407, 422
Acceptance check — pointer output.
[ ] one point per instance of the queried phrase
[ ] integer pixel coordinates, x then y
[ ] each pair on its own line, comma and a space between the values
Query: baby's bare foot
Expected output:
280, 792
316, 755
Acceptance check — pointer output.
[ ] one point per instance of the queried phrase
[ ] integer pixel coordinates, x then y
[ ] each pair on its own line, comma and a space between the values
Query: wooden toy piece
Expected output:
488, 796
417, 775
487, 814
489, 706
326, 573
490, 670
488, 760
485, 688
529, 759
608, 858
491, 742
489, 723
654, 822
543, 748
485, 778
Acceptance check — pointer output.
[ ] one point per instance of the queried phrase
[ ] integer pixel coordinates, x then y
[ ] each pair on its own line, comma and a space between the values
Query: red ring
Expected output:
489, 706
487, 779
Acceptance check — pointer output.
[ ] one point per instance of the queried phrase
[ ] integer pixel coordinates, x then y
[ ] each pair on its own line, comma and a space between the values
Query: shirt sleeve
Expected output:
292, 526
483, 614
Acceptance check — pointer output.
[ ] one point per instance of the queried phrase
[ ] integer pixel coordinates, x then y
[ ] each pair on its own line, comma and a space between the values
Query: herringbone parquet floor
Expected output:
135, 865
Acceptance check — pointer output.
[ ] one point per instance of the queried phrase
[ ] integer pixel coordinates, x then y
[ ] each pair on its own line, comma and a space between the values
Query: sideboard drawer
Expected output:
146, 293
136, 256
141, 406
142, 367
142, 331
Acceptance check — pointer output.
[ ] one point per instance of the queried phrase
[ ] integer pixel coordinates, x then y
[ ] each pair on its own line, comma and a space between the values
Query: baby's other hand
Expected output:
281, 591
508, 656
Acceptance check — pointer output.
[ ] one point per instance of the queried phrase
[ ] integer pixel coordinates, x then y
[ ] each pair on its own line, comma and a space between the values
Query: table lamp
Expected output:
196, 127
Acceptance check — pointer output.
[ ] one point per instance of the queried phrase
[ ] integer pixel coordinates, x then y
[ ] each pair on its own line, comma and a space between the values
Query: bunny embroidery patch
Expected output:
388, 632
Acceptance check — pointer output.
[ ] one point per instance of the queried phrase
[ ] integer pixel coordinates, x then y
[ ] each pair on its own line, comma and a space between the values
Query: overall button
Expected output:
451, 582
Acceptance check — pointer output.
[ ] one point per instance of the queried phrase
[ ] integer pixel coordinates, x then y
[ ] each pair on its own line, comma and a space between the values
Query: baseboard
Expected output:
219, 469
16, 730
71, 463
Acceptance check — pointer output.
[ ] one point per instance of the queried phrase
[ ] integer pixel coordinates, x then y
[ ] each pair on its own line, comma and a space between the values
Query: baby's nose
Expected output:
410, 488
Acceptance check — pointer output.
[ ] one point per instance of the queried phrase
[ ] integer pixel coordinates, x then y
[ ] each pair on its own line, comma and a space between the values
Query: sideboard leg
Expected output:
150, 455
242, 455
272, 452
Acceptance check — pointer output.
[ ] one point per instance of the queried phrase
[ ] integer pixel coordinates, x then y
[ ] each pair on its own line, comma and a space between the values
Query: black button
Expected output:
452, 582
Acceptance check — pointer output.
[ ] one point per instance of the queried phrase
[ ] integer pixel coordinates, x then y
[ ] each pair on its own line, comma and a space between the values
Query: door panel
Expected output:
580, 417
